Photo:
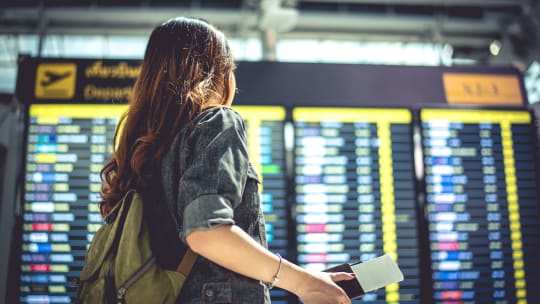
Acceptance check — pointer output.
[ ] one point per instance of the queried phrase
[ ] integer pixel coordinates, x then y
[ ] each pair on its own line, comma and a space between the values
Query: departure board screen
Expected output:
67, 147
355, 192
482, 203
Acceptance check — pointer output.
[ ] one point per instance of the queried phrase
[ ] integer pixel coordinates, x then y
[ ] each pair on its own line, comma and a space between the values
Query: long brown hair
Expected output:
186, 69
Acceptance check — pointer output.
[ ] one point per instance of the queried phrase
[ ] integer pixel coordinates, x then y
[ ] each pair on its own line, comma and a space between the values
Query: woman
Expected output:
184, 150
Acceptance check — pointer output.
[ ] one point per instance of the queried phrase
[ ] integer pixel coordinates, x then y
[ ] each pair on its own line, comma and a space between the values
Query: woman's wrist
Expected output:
275, 279
294, 279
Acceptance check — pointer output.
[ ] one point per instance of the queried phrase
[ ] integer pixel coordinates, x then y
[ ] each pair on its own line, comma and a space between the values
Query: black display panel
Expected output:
67, 147
355, 192
482, 204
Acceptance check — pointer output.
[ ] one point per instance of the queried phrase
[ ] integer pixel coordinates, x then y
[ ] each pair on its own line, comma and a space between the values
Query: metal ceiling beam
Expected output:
394, 23
456, 41
96, 15
475, 3
138, 18
244, 23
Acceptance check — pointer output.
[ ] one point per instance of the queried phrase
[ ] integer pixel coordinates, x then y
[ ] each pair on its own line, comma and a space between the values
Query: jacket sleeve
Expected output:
214, 179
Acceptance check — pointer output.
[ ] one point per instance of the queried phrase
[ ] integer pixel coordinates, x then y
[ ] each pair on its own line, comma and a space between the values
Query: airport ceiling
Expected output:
467, 25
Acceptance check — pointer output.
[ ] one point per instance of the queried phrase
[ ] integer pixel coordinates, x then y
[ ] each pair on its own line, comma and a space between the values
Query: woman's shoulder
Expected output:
218, 116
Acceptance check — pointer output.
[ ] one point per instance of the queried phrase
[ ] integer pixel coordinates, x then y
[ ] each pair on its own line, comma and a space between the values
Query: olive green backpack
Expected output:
119, 266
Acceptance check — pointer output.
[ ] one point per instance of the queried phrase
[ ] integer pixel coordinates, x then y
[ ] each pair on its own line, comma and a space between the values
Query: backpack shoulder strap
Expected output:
187, 262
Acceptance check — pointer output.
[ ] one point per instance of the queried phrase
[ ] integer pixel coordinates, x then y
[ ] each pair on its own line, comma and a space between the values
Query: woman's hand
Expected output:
319, 288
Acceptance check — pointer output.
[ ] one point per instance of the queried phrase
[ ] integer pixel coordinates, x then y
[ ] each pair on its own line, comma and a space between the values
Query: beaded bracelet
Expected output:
270, 285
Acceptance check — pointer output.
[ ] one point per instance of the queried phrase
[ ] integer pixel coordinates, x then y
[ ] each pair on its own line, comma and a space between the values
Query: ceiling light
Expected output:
495, 47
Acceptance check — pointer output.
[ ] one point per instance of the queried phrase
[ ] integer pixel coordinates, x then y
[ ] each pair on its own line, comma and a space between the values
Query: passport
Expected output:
370, 275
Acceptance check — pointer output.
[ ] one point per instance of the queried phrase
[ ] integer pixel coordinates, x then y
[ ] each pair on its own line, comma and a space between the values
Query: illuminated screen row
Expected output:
341, 186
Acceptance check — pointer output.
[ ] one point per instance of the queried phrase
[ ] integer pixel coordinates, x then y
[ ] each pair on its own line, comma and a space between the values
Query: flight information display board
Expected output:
482, 203
67, 147
355, 192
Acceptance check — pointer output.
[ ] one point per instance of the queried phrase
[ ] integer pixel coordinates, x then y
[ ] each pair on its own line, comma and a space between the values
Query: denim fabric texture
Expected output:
208, 181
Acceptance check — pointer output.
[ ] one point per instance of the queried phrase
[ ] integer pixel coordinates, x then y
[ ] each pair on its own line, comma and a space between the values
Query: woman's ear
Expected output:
232, 90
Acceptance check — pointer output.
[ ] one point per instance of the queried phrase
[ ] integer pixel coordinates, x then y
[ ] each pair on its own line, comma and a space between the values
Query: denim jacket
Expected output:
208, 181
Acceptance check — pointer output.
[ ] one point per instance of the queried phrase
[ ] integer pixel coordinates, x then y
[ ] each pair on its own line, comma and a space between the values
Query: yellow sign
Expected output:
56, 80
373, 115
475, 116
50, 113
482, 89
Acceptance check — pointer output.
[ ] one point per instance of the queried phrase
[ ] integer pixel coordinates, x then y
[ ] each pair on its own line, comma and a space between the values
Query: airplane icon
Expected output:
51, 77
